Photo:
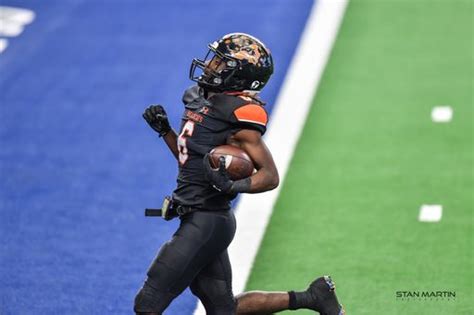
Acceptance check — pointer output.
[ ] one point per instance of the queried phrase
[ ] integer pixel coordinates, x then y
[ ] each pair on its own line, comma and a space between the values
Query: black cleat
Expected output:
322, 295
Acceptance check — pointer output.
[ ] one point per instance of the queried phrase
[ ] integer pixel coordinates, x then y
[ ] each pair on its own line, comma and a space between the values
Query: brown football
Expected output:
238, 164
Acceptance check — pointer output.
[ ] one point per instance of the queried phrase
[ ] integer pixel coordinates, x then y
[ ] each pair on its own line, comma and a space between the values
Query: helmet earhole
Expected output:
255, 84
232, 63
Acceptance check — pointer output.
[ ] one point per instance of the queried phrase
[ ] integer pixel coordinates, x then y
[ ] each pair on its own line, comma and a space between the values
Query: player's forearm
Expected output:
263, 180
171, 141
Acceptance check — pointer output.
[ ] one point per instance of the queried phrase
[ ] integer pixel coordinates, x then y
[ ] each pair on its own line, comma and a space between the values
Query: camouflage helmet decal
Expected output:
249, 60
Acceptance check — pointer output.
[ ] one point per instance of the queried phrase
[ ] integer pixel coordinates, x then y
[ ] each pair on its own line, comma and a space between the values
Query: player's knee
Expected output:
215, 295
151, 300
146, 300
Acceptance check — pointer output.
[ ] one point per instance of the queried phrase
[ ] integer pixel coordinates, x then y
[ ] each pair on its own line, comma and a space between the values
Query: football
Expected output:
237, 163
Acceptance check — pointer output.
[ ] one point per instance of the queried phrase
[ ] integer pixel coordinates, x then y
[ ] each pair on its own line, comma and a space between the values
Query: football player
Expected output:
222, 108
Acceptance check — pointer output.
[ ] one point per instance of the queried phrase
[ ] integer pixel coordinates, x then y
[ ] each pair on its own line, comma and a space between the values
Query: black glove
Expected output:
220, 179
156, 117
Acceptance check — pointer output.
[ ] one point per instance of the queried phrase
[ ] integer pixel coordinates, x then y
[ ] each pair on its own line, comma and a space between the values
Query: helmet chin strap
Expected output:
250, 92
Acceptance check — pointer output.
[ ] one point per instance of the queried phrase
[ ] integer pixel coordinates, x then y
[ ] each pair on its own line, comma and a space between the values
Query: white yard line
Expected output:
442, 114
430, 213
287, 121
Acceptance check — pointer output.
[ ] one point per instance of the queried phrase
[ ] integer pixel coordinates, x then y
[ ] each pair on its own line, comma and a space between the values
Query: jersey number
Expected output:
187, 131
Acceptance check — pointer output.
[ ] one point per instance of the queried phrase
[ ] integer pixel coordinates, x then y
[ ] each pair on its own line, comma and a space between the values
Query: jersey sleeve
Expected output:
251, 116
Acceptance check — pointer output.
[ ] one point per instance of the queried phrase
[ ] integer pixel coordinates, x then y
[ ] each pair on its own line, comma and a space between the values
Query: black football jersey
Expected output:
206, 124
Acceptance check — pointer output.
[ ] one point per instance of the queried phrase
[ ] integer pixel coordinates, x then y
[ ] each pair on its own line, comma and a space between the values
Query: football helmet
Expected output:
236, 62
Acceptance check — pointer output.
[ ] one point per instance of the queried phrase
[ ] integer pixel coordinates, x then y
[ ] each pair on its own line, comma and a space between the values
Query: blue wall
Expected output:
77, 162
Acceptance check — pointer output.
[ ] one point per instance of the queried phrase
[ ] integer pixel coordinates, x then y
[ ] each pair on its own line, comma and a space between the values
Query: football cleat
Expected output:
323, 297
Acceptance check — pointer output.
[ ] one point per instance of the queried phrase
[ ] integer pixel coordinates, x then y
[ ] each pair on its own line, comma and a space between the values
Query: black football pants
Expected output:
196, 256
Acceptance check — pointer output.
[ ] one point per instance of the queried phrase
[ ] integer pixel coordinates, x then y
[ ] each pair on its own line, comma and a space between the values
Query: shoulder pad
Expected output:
191, 94
251, 113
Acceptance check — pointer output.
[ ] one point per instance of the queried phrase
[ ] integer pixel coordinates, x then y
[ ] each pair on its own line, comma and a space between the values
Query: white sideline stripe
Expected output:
442, 114
293, 103
430, 213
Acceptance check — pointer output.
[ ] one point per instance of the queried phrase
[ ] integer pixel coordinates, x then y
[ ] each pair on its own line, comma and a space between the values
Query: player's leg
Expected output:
320, 297
261, 302
199, 239
213, 286
172, 261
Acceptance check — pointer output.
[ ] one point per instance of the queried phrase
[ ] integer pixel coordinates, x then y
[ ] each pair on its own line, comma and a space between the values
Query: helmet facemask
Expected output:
214, 71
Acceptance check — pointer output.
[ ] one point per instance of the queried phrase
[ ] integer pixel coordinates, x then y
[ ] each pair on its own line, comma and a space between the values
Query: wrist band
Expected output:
241, 186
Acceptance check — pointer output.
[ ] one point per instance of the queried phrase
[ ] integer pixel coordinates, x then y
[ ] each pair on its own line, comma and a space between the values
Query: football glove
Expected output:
156, 117
220, 180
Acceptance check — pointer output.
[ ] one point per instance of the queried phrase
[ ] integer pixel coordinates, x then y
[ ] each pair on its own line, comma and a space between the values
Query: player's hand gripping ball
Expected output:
237, 162
228, 169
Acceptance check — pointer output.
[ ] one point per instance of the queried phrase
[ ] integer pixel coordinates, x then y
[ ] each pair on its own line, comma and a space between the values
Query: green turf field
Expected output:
370, 156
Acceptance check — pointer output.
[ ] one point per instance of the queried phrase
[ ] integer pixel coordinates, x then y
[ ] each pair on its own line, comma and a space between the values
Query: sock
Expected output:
299, 300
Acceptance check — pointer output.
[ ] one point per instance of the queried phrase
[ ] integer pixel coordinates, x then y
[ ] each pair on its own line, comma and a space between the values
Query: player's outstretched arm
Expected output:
156, 117
171, 141
266, 177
